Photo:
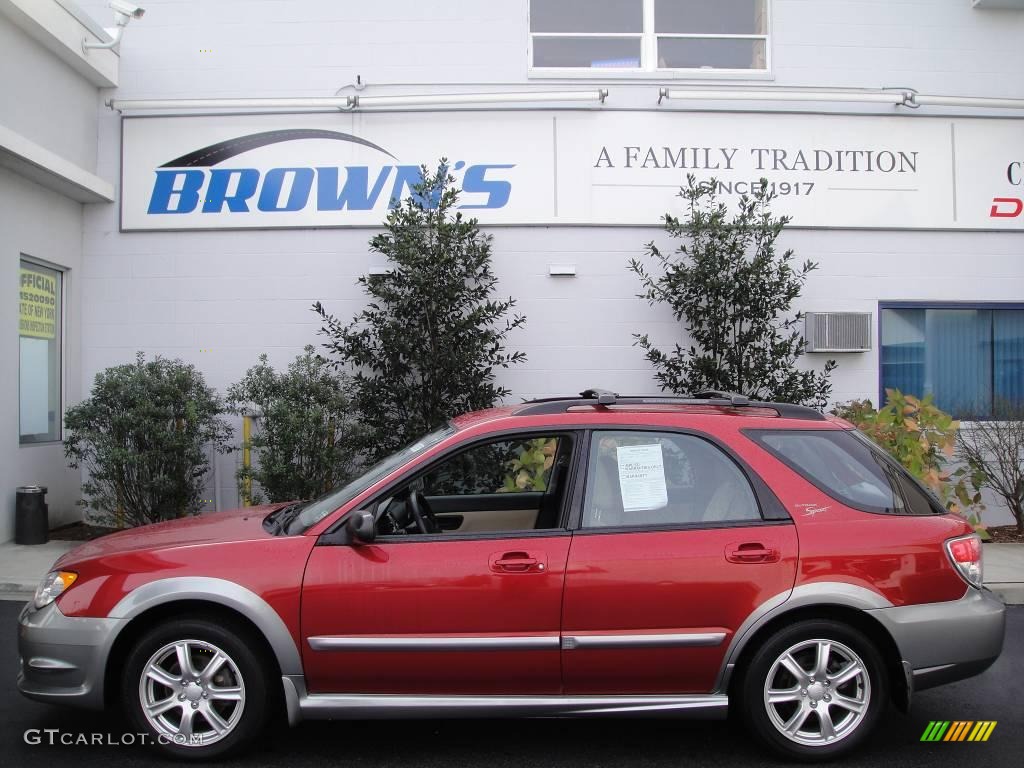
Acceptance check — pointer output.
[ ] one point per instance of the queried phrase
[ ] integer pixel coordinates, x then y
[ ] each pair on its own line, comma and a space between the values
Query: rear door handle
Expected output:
517, 562
751, 552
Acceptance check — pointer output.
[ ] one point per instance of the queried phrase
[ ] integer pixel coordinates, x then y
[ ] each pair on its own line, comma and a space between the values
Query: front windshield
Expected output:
317, 510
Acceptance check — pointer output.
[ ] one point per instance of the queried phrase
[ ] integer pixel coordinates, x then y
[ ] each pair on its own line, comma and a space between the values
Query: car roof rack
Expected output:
604, 398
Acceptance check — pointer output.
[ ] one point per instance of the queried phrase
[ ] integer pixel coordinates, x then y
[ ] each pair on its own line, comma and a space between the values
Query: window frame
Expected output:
769, 506
926, 305
61, 324
414, 474
648, 69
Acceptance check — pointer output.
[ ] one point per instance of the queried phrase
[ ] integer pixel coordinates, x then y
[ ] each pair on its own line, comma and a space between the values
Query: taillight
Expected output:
965, 554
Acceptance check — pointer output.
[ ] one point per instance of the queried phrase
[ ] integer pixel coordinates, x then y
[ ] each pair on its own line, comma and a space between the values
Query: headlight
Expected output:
52, 586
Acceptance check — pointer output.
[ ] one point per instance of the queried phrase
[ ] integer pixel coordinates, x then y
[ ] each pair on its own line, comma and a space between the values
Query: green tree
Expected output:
432, 335
307, 433
142, 437
733, 291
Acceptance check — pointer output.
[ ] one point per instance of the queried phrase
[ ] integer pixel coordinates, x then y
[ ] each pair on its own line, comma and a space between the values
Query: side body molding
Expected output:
222, 592
816, 593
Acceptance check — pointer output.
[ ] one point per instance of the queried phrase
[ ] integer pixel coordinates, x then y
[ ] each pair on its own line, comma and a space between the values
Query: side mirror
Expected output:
361, 527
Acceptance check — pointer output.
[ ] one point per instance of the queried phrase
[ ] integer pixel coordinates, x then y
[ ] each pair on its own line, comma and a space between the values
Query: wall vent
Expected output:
838, 331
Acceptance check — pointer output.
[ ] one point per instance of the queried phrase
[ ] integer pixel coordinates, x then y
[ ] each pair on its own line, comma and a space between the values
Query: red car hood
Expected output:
215, 527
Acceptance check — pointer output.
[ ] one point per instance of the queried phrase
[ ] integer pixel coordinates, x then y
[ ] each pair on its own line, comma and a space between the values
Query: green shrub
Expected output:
921, 437
307, 432
732, 291
433, 334
142, 438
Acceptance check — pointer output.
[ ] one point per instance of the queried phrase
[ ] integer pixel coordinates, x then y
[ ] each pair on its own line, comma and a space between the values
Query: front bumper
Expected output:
63, 659
944, 642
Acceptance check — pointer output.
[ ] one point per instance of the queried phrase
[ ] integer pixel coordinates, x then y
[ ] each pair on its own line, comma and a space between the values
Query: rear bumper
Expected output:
944, 642
62, 659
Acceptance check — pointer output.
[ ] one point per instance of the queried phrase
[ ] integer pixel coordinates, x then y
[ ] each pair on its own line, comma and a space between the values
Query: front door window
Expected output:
500, 486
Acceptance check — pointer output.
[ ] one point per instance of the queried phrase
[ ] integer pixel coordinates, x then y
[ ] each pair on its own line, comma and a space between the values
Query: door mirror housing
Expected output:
361, 527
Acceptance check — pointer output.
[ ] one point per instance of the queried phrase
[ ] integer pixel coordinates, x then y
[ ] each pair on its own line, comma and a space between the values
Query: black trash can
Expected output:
31, 516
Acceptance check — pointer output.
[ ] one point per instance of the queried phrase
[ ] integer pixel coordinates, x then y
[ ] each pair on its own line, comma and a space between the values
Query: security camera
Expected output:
123, 13
128, 9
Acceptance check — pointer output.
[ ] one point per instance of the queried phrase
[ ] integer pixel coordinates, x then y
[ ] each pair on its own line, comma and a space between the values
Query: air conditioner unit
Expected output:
837, 331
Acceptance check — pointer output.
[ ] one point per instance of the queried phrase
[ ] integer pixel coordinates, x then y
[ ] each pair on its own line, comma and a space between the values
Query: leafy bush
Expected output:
142, 437
307, 432
734, 292
995, 450
921, 437
427, 344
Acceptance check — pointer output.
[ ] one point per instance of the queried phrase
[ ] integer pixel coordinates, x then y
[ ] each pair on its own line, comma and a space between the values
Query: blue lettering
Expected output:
182, 190
187, 198
355, 194
217, 191
298, 195
475, 180
407, 177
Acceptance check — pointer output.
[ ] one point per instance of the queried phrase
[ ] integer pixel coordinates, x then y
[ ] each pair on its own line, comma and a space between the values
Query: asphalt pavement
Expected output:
995, 695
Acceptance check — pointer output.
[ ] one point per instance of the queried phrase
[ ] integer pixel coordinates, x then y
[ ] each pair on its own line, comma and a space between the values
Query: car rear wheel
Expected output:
196, 688
814, 690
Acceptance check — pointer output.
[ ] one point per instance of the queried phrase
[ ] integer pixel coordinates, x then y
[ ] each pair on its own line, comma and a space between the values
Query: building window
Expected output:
970, 358
40, 301
621, 36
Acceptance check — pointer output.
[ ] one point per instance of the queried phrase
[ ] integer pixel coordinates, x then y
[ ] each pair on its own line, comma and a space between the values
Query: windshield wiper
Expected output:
280, 519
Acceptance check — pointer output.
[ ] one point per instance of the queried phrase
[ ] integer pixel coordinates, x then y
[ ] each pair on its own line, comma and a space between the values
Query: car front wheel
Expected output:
196, 688
814, 690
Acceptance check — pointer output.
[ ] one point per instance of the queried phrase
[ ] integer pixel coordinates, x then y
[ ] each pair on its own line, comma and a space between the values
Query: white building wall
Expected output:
219, 299
45, 100
48, 103
47, 226
194, 48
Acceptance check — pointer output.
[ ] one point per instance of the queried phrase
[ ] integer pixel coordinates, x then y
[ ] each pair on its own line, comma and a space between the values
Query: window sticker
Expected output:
642, 477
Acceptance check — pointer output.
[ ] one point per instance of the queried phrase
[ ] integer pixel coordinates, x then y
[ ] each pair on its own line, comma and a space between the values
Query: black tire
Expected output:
767, 721
245, 670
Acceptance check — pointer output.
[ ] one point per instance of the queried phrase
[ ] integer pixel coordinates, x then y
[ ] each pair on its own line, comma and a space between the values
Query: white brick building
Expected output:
930, 248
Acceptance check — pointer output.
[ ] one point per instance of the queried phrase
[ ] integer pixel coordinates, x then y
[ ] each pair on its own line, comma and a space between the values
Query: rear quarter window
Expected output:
849, 468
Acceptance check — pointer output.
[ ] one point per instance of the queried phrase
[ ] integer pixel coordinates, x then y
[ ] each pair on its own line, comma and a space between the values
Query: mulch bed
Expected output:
80, 532
1005, 534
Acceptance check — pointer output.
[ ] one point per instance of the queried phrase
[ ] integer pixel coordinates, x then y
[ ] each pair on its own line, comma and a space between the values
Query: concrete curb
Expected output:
1011, 593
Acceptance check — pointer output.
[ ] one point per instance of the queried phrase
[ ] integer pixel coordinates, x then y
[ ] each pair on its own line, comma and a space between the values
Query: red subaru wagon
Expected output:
590, 556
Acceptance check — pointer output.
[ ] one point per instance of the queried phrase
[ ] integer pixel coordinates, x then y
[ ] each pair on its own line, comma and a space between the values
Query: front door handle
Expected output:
517, 562
751, 552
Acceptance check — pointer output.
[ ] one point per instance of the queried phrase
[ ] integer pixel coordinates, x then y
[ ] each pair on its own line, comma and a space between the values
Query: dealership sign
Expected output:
575, 167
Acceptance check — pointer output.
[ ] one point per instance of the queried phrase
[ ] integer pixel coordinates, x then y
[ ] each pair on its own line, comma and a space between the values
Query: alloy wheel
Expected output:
817, 692
192, 693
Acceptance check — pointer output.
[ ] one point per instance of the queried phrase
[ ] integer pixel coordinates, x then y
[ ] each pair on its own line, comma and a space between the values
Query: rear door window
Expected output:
850, 469
663, 479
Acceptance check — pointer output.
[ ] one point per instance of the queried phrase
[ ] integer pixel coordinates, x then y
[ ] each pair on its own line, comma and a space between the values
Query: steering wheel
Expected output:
422, 513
